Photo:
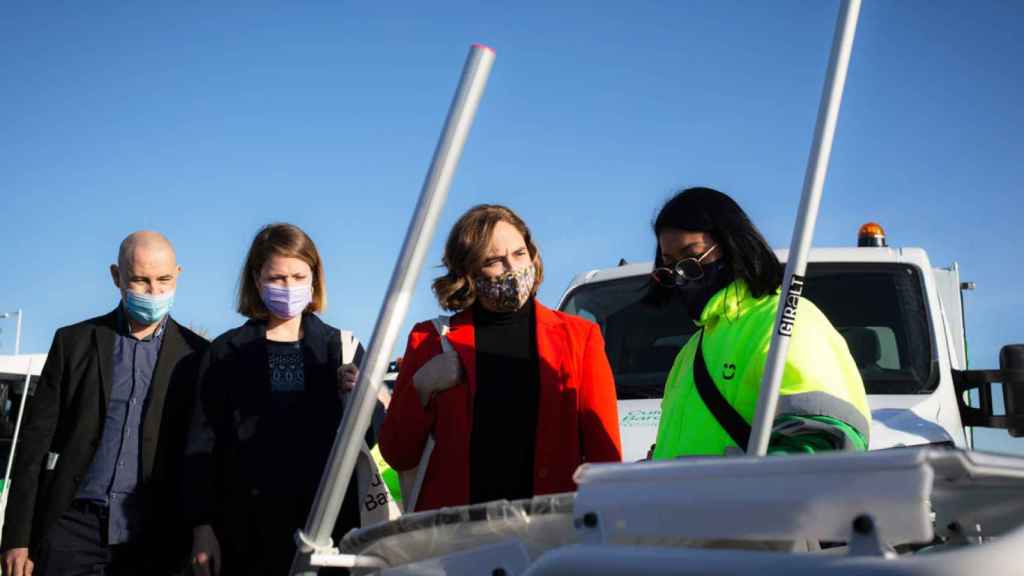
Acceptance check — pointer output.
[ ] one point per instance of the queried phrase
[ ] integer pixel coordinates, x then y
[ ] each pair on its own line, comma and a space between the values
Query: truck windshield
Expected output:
878, 308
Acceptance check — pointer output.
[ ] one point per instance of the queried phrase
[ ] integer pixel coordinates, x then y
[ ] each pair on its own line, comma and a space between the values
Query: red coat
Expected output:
577, 416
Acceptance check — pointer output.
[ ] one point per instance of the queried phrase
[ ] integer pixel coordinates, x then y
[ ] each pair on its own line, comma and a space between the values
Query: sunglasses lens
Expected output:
690, 269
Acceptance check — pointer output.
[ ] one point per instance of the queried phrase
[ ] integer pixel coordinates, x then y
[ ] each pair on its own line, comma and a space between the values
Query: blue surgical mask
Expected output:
147, 309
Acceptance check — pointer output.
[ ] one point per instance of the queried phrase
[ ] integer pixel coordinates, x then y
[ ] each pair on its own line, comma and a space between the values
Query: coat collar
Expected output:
462, 336
316, 336
105, 333
730, 303
103, 341
172, 349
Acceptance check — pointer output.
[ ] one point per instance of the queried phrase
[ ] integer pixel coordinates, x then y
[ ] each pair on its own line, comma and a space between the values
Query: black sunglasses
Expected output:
682, 271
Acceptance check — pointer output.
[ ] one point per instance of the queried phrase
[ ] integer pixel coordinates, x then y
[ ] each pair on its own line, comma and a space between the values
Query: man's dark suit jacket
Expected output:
65, 417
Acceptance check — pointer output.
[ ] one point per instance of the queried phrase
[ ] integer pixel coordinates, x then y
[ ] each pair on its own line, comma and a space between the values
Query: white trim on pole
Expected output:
17, 330
803, 232
339, 560
316, 537
17, 335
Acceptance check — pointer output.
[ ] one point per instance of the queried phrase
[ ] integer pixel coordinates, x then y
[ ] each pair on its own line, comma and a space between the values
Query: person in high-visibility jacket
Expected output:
713, 260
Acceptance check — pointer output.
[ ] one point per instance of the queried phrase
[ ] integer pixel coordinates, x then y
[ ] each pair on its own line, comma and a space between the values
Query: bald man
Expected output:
95, 483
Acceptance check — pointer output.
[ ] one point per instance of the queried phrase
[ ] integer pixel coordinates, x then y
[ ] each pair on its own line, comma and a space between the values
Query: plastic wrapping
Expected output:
541, 523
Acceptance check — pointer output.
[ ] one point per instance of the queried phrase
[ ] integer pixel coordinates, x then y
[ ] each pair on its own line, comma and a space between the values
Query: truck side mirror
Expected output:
1011, 364
1011, 375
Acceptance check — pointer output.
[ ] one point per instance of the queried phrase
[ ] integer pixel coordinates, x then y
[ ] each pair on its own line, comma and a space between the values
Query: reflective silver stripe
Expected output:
823, 404
796, 426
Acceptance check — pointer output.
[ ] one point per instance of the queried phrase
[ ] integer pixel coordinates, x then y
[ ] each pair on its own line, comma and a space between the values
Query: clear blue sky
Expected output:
205, 121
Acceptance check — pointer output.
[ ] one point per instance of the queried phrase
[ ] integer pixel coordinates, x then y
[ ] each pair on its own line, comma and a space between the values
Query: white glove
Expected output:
441, 373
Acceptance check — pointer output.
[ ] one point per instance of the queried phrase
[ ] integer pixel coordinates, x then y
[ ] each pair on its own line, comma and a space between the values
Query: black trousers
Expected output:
77, 546
265, 546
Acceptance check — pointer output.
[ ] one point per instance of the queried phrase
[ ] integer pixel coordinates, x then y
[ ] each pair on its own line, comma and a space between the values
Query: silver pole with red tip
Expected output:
316, 537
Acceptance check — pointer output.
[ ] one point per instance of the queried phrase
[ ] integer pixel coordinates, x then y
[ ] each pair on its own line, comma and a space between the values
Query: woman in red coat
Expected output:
525, 395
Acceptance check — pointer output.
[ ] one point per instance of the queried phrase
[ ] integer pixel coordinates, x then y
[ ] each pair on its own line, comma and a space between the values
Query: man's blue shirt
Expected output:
113, 476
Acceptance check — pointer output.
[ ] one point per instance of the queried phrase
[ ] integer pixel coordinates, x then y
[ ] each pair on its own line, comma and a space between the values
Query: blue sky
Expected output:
207, 121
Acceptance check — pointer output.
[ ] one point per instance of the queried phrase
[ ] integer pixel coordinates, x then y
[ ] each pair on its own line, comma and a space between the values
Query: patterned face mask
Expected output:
508, 292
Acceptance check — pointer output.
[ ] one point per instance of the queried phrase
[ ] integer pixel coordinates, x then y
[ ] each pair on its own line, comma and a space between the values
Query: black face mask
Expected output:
695, 294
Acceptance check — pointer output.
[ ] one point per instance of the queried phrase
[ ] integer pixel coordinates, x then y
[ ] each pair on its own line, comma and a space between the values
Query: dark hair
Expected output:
465, 251
286, 240
743, 247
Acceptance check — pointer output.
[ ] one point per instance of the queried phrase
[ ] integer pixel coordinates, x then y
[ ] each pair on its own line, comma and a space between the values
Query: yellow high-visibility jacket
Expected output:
820, 384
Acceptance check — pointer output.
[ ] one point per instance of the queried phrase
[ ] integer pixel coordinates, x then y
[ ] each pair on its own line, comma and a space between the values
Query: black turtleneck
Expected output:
505, 405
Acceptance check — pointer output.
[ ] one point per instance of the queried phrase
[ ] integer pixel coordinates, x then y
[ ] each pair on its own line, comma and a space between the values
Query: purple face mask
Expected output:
286, 303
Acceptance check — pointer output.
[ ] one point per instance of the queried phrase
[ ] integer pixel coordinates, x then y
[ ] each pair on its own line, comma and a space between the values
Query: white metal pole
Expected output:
14, 445
17, 335
17, 423
358, 411
803, 232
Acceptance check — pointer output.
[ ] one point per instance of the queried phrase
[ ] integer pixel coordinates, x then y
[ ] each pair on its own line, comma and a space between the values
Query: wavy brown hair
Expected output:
280, 239
465, 252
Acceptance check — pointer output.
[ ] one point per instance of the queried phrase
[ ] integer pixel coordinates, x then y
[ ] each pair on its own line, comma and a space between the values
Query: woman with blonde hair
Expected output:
269, 402
525, 395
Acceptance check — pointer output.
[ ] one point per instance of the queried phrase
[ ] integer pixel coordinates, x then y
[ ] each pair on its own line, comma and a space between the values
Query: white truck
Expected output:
902, 318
